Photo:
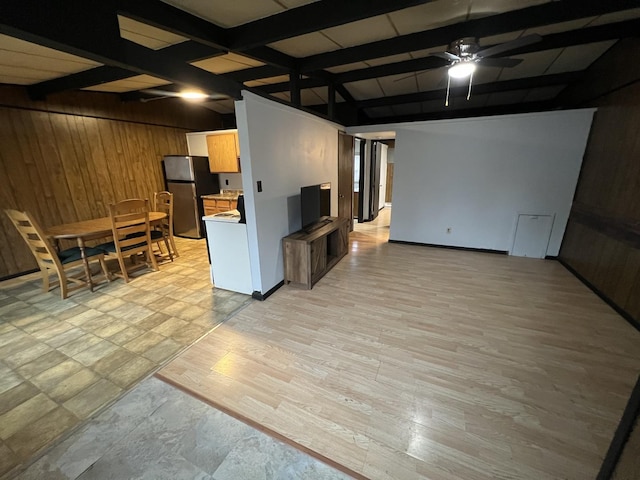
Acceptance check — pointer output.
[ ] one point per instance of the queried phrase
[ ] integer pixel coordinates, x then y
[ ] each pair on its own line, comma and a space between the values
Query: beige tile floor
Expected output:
61, 361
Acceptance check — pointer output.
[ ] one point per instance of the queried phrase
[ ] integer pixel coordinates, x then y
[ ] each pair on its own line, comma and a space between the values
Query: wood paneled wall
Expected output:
602, 240
66, 159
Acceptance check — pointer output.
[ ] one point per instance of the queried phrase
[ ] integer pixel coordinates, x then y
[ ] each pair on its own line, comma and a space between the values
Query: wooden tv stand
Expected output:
308, 256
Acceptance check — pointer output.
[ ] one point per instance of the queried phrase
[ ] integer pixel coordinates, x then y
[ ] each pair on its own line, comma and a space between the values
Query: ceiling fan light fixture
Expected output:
461, 69
192, 95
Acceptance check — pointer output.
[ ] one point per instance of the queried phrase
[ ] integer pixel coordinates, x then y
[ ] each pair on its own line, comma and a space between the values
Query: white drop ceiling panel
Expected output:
283, 96
429, 15
295, 3
560, 27
486, 74
374, 62
267, 81
25, 63
146, 35
482, 8
398, 84
364, 89
323, 94
138, 82
502, 38
305, 45
310, 97
543, 93
425, 52
579, 57
230, 62
534, 64
362, 31
617, 16
226, 13
432, 79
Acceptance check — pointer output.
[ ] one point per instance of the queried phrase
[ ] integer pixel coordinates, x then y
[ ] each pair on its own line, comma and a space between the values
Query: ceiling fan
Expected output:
464, 54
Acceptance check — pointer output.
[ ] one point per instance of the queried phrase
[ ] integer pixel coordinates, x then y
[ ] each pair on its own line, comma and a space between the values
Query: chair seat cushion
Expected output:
155, 235
110, 247
73, 254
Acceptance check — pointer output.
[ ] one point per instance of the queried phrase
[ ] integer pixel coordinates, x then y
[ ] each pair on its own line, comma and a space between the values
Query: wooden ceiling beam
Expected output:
92, 31
531, 17
486, 111
188, 51
310, 18
480, 89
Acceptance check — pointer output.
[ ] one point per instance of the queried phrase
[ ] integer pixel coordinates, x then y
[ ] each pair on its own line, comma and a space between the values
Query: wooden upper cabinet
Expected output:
224, 153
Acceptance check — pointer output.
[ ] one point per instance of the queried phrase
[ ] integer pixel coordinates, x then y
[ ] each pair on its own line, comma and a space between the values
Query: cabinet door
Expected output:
223, 153
318, 257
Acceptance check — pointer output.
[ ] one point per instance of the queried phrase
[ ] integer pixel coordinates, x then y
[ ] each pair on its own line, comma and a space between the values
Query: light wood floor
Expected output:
411, 362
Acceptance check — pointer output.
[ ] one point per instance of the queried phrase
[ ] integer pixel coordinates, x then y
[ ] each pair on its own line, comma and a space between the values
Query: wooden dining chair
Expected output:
163, 202
51, 261
131, 235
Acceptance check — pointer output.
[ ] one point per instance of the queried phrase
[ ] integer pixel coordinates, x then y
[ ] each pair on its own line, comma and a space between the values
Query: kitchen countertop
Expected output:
231, 216
230, 195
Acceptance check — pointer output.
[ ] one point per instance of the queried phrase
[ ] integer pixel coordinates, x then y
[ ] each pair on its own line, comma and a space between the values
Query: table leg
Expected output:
85, 261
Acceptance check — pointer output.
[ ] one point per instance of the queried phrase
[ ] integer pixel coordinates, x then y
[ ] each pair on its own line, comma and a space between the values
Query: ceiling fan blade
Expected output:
512, 45
446, 55
500, 62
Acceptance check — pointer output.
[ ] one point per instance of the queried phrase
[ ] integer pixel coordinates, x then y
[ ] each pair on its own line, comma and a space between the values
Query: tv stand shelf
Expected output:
308, 256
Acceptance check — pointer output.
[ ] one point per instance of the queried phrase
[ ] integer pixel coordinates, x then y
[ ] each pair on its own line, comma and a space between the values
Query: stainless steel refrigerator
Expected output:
188, 178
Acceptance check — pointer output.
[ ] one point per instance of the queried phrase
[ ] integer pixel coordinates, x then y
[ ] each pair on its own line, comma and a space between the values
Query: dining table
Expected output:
86, 230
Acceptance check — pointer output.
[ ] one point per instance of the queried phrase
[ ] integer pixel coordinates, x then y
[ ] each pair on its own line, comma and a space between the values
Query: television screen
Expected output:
310, 205
315, 202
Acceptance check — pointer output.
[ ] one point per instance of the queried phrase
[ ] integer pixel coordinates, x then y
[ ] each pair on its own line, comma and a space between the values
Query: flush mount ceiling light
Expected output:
192, 95
462, 69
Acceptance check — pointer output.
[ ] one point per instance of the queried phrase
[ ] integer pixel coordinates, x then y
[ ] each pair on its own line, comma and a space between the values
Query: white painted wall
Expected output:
285, 149
476, 175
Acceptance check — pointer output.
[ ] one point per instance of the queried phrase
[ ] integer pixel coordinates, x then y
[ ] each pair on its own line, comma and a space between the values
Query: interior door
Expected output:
374, 186
532, 236
345, 177
364, 163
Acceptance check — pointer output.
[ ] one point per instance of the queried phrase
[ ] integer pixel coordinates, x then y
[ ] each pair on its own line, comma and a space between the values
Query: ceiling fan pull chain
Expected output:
446, 102
470, 80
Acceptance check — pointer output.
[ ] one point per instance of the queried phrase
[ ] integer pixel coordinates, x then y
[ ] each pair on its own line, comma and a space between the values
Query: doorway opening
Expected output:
372, 178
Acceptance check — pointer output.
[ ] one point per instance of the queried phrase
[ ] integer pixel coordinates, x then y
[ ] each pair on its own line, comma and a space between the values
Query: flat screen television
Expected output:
315, 202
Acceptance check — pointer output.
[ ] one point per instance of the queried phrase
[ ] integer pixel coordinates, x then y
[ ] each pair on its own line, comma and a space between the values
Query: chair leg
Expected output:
152, 257
123, 268
105, 270
173, 247
166, 244
45, 279
63, 285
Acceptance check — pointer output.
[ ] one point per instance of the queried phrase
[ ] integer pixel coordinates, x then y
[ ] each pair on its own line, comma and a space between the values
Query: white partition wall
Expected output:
465, 182
283, 149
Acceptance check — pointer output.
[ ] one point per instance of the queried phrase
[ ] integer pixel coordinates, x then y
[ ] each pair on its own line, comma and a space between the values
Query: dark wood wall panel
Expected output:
68, 158
602, 240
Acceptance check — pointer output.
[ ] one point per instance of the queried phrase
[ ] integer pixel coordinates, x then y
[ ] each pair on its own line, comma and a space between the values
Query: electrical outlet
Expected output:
448, 229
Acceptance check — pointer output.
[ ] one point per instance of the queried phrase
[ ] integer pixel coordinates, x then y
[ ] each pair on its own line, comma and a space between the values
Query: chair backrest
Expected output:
130, 223
163, 202
35, 238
